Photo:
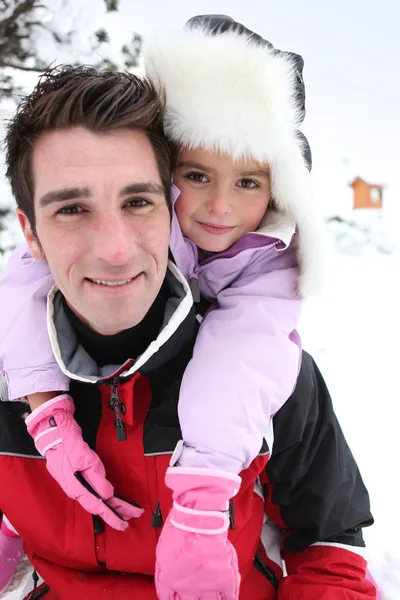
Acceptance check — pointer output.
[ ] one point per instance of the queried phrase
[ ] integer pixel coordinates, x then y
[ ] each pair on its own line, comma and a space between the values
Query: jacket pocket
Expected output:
266, 571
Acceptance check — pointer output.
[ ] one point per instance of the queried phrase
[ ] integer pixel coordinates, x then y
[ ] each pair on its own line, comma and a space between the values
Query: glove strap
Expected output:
207, 522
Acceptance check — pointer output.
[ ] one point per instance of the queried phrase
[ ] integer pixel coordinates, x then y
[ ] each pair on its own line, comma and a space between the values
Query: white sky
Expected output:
352, 65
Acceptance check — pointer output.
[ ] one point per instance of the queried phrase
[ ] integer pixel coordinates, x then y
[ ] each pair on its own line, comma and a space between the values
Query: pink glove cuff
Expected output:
201, 498
42, 425
201, 488
64, 400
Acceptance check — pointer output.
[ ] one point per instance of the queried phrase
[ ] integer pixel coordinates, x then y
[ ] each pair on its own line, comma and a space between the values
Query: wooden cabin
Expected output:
366, 195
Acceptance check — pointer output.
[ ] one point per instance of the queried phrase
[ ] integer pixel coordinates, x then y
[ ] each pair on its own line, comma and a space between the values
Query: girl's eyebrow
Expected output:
194, 165
251, 173
190, 164
256, 173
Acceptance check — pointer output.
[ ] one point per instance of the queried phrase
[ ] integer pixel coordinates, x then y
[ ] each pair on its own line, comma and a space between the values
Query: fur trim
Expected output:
227, 93
224, 92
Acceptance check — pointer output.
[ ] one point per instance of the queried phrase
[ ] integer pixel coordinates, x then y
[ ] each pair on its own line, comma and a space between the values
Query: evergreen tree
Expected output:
33, 33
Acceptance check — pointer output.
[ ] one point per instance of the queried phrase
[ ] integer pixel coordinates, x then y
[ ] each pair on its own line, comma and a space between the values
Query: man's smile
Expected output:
114, 284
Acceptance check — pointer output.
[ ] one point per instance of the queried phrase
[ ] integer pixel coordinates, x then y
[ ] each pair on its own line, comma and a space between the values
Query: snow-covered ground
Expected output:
353, 331
22, 583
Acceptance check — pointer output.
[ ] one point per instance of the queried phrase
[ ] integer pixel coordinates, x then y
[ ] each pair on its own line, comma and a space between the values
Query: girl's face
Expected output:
221, 200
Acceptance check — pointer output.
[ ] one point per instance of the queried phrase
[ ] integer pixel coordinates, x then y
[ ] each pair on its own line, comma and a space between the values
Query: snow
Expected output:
352, 331
22, 583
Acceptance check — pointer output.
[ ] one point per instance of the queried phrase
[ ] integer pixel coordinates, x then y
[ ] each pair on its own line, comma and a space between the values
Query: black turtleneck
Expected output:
130, 343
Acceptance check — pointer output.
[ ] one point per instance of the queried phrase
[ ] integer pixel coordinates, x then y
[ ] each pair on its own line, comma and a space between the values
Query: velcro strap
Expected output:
207, 522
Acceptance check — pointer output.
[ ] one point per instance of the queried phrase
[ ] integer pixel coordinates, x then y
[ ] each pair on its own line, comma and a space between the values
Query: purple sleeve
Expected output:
26, 357
244, 367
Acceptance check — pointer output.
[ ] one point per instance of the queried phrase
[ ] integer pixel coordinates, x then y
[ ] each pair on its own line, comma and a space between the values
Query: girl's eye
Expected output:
138, 203
73, 209
196, 177
249, 184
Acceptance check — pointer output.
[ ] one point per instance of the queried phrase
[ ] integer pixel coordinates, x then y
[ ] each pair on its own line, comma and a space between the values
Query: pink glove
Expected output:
74, 465
194, 558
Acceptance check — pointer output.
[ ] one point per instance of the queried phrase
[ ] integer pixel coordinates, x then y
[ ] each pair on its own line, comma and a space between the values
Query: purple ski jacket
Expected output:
247, 352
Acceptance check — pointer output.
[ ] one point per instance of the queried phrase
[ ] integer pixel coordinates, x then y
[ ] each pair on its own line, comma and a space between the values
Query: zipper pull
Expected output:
35, 578
98, 526
157, 520
117, 407
231, 515
195, 289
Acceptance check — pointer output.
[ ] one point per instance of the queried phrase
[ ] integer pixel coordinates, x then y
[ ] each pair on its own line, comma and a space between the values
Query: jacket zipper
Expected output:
157, 518
267, 247
198, 269
194, 278
266, 571
119, 408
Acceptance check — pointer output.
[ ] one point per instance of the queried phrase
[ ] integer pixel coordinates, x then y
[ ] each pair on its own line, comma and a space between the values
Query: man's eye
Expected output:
138, 203
70, 210
249, 184
196, 177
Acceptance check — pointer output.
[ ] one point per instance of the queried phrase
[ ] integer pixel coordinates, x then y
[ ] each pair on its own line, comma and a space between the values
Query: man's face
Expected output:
102, 223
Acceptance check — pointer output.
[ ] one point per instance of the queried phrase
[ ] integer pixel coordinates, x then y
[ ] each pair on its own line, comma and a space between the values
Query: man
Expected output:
90, 169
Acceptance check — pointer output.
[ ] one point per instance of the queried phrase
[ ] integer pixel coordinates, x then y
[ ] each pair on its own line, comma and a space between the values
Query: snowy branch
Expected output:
4, 64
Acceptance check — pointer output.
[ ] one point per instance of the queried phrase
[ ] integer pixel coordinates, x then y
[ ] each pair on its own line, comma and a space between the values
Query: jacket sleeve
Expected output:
244, 367
315, 493
26, 357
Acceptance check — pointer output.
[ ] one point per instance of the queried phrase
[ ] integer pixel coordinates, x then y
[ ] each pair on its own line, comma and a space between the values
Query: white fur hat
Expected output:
229, 90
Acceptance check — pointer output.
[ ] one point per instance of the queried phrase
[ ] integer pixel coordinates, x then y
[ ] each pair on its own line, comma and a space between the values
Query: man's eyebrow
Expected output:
142, 188
77, 193
64, 194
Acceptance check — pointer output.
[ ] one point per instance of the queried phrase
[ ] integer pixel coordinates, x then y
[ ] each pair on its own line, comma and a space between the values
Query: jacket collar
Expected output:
76, 363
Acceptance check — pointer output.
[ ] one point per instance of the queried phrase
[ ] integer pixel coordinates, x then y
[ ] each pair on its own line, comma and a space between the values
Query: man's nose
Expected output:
113, 240
219, 203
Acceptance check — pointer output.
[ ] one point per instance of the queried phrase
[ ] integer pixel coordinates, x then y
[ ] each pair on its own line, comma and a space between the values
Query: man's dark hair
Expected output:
71, 96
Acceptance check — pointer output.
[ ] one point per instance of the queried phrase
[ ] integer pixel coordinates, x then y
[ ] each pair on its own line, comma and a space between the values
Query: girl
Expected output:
233, 108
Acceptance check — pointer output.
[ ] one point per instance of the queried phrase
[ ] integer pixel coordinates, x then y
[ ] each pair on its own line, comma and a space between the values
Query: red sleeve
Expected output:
325, 573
